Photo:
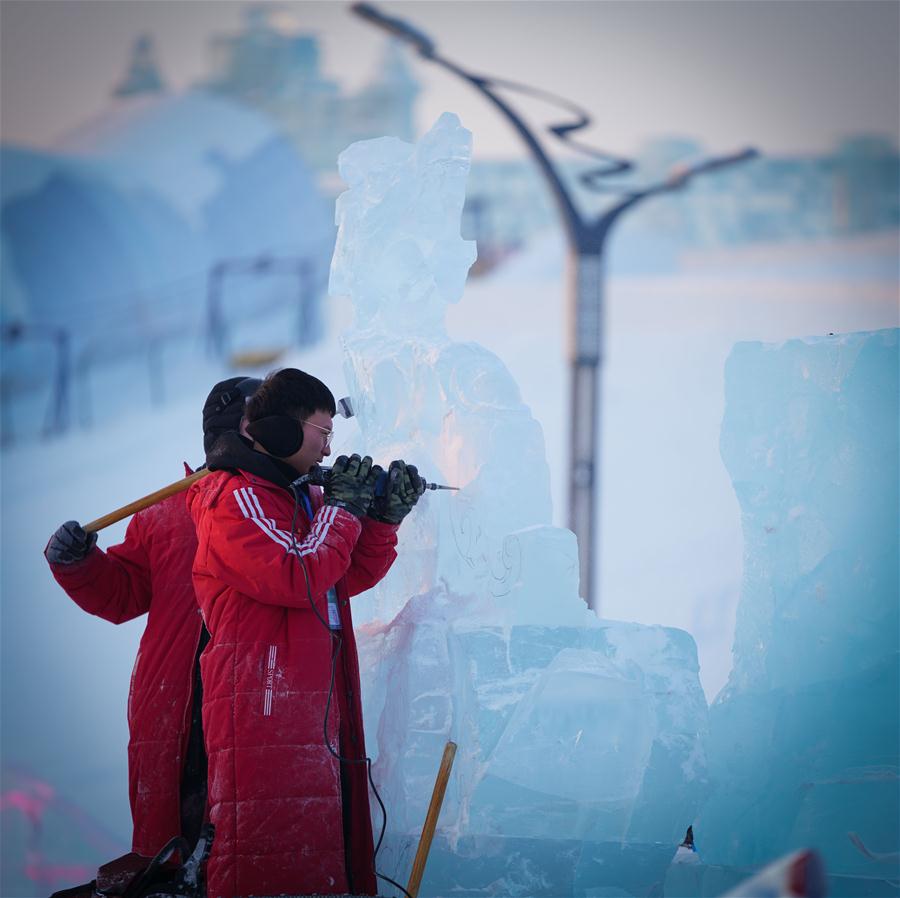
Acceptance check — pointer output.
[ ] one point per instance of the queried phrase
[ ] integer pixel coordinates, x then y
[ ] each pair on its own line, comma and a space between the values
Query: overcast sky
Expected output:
789, 76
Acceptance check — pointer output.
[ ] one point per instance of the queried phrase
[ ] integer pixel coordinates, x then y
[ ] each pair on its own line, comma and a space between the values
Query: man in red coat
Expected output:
150, 573
276, 564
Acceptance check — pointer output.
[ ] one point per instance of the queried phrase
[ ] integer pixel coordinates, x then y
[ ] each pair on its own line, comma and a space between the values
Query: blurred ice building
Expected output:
277, 71
178, 223
848, 194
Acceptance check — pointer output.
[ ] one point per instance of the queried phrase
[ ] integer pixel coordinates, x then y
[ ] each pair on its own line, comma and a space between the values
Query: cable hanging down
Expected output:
337, 642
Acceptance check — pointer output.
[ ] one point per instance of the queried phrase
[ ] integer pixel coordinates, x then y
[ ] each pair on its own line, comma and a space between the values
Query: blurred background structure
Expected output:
117, 230
167, 186
113, 230
113, 237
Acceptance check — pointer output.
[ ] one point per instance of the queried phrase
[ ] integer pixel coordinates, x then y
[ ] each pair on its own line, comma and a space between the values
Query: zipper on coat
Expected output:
193, 775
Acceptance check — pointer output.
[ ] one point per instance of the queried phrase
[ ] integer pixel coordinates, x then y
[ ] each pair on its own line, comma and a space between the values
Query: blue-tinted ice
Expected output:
804, 739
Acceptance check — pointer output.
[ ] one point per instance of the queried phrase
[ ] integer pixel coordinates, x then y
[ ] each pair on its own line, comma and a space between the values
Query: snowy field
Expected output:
670, 548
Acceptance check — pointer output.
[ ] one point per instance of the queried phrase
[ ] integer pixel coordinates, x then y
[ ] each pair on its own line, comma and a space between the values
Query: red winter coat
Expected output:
150, 573
275, 790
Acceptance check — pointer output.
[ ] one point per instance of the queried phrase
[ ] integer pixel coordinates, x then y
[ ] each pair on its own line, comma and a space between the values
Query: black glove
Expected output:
69, 544
404, 486
351, 484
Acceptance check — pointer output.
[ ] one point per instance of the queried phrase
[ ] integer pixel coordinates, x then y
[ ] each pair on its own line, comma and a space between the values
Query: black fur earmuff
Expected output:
279, 435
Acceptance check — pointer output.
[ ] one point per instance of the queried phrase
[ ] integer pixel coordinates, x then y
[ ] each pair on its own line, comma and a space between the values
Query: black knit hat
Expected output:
224, 407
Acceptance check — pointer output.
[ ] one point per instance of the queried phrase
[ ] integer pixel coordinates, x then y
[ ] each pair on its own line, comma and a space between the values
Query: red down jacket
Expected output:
275, 790
150, 573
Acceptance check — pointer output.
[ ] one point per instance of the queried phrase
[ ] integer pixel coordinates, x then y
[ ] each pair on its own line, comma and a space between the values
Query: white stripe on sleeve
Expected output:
251, 508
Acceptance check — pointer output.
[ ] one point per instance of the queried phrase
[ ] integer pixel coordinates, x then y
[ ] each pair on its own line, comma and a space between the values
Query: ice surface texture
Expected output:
571, 730
805, 735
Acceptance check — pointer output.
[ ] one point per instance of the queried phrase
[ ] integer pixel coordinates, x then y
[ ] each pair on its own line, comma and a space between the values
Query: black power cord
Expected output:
139, 884
337, 641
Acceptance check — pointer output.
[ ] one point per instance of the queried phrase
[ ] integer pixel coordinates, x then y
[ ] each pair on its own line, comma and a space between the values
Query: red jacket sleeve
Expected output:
246, 544
115, 584
372, 556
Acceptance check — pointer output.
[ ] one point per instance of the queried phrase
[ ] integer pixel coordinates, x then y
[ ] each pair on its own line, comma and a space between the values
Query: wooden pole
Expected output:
139, 504
431, 818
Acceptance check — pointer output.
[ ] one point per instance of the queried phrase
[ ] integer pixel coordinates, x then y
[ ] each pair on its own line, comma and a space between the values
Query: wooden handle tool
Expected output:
431, 818
139, 504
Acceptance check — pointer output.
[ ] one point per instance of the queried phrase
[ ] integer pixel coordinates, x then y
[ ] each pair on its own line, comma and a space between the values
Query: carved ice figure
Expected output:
451, 408
478, 634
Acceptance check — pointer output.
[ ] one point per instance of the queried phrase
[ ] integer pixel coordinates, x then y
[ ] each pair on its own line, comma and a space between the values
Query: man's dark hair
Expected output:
290, 392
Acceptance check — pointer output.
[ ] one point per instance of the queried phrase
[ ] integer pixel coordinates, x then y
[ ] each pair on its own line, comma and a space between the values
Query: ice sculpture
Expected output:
576, 736
804, 738
454, 407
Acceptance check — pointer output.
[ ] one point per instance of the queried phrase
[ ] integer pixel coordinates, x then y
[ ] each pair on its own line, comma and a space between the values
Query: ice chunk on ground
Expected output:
804, 738
601, 744
576, 745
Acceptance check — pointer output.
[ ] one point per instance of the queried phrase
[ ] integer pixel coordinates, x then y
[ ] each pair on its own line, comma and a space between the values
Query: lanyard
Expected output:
307, 505
334, 617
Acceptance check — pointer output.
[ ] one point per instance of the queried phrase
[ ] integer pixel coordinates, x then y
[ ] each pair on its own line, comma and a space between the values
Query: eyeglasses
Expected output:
328, 433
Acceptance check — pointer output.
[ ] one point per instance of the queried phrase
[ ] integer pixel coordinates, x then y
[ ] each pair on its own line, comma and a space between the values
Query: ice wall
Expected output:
804, 738
572, 732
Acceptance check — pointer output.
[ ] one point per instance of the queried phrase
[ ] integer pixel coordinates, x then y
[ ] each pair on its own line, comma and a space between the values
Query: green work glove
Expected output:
351, 484
402, 491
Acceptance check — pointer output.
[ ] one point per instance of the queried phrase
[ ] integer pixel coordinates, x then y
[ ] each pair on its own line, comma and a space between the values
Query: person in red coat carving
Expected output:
276, 564
150, 573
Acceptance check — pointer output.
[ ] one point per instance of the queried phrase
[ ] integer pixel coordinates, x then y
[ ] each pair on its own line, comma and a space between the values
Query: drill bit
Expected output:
319, 475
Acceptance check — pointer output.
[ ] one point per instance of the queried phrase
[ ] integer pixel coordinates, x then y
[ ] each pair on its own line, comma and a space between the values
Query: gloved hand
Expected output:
69, 544
351, 484
404, 487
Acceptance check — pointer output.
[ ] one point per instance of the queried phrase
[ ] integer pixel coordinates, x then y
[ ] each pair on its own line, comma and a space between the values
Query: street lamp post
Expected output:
586, 237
